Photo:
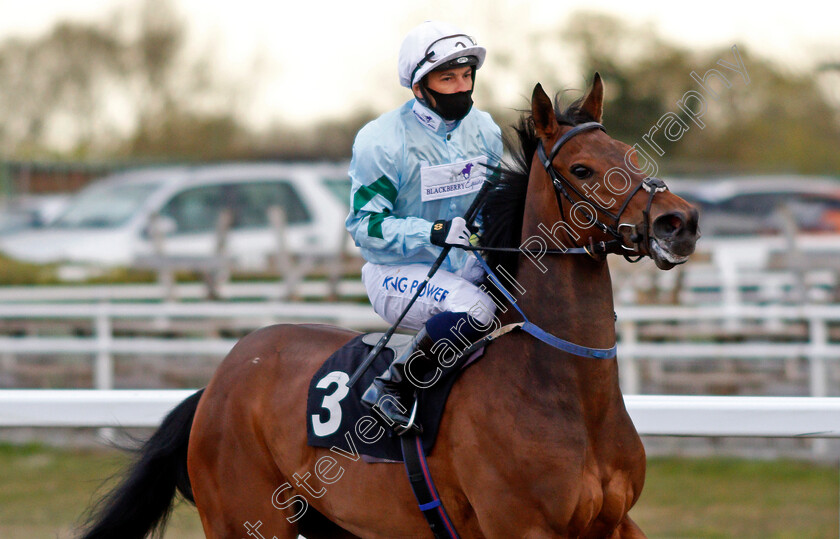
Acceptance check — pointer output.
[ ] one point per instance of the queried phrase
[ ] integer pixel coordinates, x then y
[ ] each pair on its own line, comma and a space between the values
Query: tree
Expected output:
57, 82
87, 90
780, 121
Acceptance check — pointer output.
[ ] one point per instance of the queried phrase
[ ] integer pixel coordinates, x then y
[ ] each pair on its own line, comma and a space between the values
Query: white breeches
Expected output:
390, 288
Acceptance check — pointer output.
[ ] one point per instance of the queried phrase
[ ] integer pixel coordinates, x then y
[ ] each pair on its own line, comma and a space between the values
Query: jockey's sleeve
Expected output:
375, 181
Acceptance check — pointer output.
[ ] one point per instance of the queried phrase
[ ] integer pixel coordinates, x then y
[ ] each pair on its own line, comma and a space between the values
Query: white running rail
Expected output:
654, 415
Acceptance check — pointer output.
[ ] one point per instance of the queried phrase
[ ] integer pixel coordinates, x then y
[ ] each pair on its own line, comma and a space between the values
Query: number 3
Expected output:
331, 403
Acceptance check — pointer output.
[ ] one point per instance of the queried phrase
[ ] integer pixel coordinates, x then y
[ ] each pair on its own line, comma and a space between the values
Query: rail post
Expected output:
285, 263
103, 374
818, 374
628, 364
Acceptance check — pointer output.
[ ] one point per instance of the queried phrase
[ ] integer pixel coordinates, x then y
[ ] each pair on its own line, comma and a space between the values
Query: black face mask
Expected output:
451, 107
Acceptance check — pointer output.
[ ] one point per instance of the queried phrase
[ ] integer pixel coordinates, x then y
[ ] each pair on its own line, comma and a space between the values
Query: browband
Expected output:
546, 159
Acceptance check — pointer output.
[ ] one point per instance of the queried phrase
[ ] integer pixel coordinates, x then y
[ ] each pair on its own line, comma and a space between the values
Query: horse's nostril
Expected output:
668, 225
693, 220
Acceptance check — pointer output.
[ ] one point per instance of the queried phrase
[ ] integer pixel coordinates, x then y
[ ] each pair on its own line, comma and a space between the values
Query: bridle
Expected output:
597, 251
561, 188
563, 185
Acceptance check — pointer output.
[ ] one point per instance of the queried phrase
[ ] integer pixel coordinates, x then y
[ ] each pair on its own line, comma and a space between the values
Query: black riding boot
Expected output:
391, 394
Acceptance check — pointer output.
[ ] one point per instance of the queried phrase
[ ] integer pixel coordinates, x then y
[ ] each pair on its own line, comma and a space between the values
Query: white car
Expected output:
750, 206
109, 223
30, 211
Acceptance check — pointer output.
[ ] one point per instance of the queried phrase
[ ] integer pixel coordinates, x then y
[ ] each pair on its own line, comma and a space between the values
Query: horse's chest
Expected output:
601, 505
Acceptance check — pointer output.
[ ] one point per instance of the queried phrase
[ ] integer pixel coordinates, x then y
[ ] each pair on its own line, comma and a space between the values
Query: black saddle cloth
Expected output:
335, 417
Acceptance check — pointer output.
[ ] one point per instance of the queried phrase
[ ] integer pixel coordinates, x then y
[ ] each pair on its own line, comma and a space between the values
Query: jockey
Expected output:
414, 172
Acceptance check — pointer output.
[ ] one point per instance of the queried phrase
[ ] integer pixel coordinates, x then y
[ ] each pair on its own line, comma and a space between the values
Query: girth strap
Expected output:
418, 470
424, 488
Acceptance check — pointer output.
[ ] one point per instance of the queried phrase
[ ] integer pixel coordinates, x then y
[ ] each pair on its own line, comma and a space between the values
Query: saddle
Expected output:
336, 418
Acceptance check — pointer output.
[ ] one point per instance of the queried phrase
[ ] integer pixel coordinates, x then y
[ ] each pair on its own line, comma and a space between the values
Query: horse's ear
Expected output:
593, 104
543, 113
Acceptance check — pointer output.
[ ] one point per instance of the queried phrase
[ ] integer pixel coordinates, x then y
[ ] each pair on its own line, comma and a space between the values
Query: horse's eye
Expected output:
581, 172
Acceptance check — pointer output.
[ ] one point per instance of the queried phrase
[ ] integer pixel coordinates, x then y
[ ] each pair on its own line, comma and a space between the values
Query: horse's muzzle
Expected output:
673, 237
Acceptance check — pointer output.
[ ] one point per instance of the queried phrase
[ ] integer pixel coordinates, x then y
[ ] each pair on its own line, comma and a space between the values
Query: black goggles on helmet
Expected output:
444, 46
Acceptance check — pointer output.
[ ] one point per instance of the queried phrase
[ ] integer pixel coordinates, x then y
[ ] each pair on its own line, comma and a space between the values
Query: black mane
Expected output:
504, 207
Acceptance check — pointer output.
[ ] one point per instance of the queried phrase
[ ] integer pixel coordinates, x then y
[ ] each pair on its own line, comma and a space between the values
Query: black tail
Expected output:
141, 504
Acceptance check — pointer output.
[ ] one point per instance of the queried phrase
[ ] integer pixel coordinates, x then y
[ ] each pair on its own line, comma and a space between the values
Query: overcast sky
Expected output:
317, 59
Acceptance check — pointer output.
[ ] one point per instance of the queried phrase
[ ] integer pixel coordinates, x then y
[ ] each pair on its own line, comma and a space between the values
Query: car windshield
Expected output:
105, 206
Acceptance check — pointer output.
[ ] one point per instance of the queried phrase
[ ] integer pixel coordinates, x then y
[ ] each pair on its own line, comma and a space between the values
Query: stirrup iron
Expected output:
411, 425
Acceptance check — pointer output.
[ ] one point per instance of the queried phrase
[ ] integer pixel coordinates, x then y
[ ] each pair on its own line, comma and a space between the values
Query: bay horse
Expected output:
534, 442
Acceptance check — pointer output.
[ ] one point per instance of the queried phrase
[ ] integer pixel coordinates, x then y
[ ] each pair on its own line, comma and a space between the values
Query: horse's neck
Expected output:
569, 296
571, 300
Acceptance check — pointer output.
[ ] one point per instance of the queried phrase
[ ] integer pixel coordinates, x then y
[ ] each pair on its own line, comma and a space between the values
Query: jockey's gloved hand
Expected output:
452, 233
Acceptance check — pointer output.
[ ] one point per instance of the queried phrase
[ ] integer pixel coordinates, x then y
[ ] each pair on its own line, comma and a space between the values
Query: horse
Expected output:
534, 441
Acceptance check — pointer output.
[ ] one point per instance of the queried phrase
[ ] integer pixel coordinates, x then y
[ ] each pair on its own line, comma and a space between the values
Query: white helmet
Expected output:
432, 45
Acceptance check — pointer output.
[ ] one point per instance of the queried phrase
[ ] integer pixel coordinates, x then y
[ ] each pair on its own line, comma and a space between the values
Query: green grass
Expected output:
14, 273
18, 273
717, 498
44, 491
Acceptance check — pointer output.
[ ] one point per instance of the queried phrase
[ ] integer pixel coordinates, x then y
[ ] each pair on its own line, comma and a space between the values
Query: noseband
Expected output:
563, 185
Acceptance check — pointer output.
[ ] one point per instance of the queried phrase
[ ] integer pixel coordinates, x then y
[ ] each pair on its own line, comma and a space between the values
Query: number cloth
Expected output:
335, 417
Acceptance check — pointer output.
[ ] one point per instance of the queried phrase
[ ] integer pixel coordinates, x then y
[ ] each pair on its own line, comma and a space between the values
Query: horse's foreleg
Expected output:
628, 530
